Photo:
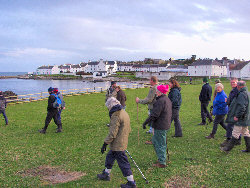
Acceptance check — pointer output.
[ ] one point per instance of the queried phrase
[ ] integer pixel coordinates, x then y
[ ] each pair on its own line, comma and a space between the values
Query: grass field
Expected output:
195, 161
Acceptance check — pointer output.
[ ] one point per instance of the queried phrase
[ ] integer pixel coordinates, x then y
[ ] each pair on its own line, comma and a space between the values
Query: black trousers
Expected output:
219, 119
50, 115
204, 112
122, 161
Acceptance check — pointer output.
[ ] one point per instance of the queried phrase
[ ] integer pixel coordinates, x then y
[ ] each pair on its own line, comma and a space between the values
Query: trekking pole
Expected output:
137, 167
138, 123
167, 150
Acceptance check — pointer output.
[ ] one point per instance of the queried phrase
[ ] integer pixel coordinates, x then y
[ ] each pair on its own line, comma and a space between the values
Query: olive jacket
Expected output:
150, 99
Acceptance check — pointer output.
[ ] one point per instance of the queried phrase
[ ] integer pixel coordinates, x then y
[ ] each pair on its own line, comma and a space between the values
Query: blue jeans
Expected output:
4, 115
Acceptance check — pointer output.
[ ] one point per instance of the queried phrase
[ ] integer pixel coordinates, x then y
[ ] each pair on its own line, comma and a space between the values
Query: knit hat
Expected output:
50, 89
217, 81
112, 101
205, 80
55, 90
163, 88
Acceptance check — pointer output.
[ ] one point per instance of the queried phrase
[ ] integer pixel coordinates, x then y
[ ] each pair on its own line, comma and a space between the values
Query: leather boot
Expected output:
210, 136
223, 144
247, 141
238, 142
43, 131
230, 145
104, 176
59, 128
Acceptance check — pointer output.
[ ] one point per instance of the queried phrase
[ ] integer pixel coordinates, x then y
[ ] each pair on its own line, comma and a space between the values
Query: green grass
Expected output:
195, 161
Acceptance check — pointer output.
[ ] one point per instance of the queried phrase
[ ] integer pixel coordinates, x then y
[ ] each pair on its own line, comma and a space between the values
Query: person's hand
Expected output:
225, 99
236, 119
63, 108
104, 147
137, 100
144, 125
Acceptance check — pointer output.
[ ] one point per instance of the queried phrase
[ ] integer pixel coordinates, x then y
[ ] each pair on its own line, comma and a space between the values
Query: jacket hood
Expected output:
114, 109
178, 88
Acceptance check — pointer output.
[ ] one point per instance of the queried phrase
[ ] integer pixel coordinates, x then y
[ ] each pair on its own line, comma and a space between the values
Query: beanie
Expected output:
205, 79
113, 82
50, 89
163, 88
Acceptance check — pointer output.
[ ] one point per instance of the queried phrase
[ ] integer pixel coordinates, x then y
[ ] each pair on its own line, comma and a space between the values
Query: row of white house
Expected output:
220, 68
205, 67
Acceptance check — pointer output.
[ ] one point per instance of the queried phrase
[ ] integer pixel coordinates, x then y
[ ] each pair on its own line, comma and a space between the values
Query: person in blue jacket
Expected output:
220, 109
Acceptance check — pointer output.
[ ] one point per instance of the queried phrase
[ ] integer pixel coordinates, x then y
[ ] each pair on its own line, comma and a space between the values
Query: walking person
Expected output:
111, 91
161, 121
58, 94
220, 109
230, 98
175, 97
51, 113
149, 100
238, 114
215, 88
121, 97
3, 105
118, 140
205, 98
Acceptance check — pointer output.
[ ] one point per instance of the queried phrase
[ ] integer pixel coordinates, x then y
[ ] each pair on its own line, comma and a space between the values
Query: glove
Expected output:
104, 147
144, 125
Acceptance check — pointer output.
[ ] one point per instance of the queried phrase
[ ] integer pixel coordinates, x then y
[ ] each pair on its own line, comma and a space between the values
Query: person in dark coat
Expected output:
118, 140
175, 97
3, 105
239, 115
56, 92
220, 109
205, 98
161, 121
111, 92
51, 113
121, 97
230, 98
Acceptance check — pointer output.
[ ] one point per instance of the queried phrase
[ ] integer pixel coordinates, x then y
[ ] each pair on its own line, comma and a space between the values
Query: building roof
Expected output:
110, 62
75, 66
238, 66
137, 66
206, 62
177, 67
64, 67
125, 64
83, 64
45, 67
93, 63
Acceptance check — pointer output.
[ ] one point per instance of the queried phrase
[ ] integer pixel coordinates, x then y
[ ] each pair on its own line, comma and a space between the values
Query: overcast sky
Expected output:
48, 32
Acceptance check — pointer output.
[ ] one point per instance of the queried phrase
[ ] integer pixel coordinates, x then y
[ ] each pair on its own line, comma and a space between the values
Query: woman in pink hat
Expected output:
161, 121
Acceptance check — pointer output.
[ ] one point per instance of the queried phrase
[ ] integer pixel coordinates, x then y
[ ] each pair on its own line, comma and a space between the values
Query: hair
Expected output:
175, 83
154, 79
111, 102
234, 78
118, 87
219, 85
241, 83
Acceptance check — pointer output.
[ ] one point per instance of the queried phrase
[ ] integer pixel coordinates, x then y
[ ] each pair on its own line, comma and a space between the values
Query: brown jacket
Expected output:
118, 131
121, 97
150, 99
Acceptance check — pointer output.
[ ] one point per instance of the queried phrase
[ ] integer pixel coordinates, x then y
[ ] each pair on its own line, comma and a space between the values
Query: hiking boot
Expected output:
108, 125
42, 131
149, 142
103, 176
224, 143
202, 123
230, 145
129, 184
159, 165
210, 136
247, 141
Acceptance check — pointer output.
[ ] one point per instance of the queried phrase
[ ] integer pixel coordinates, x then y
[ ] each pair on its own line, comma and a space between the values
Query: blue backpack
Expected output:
58, 102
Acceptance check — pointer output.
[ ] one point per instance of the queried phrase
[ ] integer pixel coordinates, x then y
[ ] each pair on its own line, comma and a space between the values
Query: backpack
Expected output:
58, 103
2, 104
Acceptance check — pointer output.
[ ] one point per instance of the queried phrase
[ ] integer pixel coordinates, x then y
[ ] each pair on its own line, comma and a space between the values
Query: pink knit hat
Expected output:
163, 88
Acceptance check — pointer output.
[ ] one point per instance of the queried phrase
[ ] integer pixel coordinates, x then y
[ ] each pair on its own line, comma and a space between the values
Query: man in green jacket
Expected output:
150, 99
238, 114
118, 140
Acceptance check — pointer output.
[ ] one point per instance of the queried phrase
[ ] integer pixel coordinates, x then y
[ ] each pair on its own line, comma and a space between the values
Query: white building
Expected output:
65, 68
76, 68
207, 67
240, 70
111, 67
47, 70
137, 67
124, 67
159, 75
100, 74
84, 66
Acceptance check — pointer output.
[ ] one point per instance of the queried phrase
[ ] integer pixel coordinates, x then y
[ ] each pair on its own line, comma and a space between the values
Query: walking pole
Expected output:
167, 150
137, 167
138, 126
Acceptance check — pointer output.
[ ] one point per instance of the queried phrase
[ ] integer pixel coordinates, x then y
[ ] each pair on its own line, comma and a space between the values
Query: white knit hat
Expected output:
112, 101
